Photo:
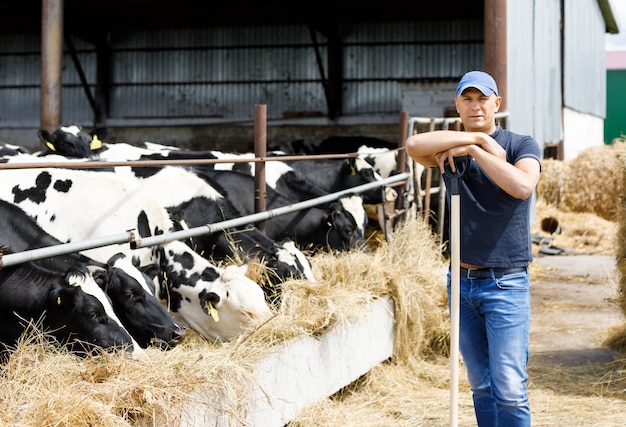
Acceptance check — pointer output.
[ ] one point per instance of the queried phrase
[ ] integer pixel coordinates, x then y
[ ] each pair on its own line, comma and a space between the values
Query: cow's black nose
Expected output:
178, 334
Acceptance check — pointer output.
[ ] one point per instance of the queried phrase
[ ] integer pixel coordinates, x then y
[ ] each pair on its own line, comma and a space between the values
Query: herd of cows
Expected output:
120, 297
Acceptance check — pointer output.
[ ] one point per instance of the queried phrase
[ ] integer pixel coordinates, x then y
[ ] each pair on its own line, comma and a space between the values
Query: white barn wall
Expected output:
584, 76
582, 131
533, 69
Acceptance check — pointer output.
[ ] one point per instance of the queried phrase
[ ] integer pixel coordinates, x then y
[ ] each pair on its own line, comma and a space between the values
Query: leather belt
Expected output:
488, 273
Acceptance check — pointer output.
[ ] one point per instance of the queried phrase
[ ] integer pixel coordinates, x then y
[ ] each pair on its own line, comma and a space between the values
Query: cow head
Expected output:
344, 232
358, 172
353, 205
292, 262
88, 328
138, 309
89, 284
218, 303
72, 141
234, 304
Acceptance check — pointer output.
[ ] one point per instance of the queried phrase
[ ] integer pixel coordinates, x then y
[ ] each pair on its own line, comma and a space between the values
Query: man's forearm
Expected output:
422, 147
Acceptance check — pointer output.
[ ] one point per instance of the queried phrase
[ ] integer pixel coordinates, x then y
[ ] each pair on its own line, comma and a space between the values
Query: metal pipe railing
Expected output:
445, 121
93, 164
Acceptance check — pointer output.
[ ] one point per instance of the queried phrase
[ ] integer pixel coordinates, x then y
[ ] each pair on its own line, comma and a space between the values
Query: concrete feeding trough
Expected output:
302, 371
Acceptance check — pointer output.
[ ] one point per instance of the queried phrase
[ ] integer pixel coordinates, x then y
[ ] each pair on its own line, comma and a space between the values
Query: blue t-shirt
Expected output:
495, 227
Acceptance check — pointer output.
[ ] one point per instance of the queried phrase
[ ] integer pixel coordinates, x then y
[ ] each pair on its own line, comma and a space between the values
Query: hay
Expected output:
581, 232
551, 182
592, 182
621, 251
42, 385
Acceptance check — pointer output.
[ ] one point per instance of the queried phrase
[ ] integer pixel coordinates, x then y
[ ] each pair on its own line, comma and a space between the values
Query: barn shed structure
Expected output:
189, 72
615, 122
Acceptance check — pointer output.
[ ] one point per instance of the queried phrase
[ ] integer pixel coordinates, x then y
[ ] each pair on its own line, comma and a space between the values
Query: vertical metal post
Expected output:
51, 63
401, 202
260, 150
495, 45
429, 179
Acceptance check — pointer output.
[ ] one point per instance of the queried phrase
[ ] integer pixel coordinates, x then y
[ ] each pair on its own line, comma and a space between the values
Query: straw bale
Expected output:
591, 182
550, 182
621, 251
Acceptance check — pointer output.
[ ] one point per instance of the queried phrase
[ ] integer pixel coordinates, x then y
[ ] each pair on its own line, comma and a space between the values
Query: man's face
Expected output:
477, 111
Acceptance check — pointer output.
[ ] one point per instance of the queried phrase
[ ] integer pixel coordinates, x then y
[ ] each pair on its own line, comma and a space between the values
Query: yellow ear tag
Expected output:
95, 143
213, 312
58, 300
51, 146
353, 170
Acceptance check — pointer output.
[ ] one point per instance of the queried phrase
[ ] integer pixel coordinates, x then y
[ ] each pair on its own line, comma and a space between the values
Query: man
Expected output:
495, 247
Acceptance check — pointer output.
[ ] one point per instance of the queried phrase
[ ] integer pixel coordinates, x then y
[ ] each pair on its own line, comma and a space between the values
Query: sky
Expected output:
618, 41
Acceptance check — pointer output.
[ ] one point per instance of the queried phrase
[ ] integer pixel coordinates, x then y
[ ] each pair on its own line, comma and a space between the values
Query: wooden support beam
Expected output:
51, 64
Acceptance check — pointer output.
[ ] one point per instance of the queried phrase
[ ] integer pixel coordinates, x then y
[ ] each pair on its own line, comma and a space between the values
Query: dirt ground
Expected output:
573, 309
573, 375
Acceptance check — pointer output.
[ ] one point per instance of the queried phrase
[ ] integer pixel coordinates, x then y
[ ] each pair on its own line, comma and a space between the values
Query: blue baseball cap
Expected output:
479, 80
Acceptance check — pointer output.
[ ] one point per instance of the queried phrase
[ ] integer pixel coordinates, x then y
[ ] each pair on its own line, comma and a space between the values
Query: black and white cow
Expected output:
341, 228
332, 175
39, 294
293, 185
143, 315
331, 227
338, 175
385, 163
282, 259
194, 205
11, 150
194, 202
194, 290
139, 311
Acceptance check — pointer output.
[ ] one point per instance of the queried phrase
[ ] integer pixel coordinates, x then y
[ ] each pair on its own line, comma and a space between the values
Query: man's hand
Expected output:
484, 142
449, 155
491, 146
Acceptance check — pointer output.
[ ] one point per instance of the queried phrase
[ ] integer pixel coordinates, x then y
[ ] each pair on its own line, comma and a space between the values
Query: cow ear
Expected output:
63, 298
143, 226
45, 138
44, 135
351, 161
95, 143
97, 135
100, 275
150, 270
330, 219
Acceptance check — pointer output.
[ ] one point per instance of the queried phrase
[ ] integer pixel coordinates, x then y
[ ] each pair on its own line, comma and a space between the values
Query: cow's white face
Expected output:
225, 308
288, 253
354, 205
89, 286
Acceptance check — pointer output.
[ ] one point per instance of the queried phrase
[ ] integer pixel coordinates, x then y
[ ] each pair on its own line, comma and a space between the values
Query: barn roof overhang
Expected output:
95, 18
608, 14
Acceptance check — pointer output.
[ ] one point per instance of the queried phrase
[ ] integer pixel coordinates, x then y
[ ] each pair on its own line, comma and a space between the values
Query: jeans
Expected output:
494, 330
